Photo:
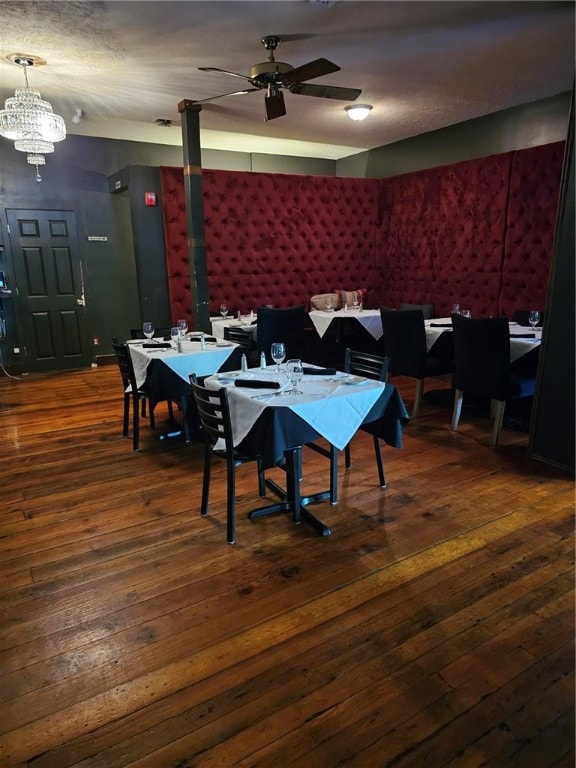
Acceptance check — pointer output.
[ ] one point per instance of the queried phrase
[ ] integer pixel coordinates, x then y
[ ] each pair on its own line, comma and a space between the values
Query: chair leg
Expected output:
126, 421
499, 406
458, 398
135, 423
347, 459
152, 419
333, 475
379, 462
230, 501
170, 412
206, 479
417, 397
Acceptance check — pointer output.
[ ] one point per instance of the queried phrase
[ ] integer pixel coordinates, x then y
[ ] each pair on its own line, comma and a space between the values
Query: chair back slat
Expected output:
366, 364
482, 356
213, 411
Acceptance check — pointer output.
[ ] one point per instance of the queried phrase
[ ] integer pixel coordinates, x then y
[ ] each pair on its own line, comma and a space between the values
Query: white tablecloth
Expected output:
334, 409
369, 318
192, 360
518, 346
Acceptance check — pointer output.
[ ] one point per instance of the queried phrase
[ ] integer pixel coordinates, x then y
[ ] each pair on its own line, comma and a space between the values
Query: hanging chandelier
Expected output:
29, 121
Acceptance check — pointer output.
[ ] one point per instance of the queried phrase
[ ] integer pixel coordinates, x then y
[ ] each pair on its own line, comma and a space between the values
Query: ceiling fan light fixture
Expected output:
358, 112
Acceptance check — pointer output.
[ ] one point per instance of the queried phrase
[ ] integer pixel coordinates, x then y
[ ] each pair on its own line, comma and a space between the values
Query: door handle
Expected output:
81, 302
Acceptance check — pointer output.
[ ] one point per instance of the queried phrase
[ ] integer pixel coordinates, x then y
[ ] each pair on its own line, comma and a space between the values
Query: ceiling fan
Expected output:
272, 76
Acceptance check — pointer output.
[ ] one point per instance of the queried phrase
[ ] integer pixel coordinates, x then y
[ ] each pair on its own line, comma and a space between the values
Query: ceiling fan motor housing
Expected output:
268, 72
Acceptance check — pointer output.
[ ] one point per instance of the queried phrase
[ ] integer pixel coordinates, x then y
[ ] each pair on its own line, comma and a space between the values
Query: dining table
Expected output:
335, 322
166, 371
270, 419
218, 324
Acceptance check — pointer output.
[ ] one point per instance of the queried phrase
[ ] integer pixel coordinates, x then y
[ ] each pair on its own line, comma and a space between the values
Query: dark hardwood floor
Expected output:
434, 627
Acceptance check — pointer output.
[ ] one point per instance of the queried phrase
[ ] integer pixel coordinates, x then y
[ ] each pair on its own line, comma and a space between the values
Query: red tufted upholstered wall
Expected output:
273, 238
478, 232
530, 227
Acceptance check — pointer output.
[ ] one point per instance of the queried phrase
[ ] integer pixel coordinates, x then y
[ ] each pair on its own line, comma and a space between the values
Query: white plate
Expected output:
223, 343
229, 375
355, 380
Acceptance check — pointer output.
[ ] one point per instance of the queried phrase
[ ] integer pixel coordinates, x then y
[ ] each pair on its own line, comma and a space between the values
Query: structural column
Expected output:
190, 113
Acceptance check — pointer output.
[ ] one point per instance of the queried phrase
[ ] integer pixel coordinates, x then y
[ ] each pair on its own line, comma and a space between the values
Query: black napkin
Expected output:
522, 335
257, 384
440, 325
319, 371
156, 345
198, 336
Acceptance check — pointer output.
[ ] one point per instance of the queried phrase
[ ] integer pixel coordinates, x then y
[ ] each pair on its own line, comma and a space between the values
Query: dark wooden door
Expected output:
50, 306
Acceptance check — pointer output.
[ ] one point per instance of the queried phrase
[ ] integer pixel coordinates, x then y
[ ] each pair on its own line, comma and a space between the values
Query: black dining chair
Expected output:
375, 367
214, 413
404, 336
482, 367
245, 338
134, 394
427, 309
282, 324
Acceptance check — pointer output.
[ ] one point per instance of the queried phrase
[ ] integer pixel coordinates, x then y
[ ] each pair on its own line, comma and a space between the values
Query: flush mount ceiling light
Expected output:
358, 111
29, 121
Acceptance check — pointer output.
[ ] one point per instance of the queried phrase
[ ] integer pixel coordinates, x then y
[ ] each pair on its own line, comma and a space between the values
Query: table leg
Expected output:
290, 499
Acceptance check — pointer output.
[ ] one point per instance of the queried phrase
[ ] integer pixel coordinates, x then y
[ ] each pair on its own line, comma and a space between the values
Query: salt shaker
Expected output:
179, 344
202, 342
244, 363
262, 360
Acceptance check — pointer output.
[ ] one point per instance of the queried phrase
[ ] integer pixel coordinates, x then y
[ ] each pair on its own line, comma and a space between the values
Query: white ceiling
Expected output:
422, 65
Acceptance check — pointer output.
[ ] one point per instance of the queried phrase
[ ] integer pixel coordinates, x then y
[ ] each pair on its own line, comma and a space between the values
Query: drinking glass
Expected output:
328, 304
534, 318
175, 334
455, 309
295, 373
223, 310
148, 330
355, 300
278, 354
466, 313
182, 326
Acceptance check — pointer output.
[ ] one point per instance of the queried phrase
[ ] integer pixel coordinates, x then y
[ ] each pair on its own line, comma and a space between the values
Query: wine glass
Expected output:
182, 326
295, 373
355, 300
466, 313
148, 330
223, 310
278, 354
534, 317
455, 309
175, 335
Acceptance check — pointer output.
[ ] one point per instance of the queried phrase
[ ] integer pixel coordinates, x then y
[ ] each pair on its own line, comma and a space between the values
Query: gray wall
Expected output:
542, 122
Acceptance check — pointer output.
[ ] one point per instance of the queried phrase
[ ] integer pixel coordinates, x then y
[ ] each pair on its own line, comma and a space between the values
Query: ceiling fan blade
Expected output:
224, 72
316, 68
221, 96
275, 106
325, 91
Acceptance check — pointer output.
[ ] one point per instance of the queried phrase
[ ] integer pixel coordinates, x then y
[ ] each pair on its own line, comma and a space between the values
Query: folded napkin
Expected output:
156, 345
522, 335
440, 325
257, 384
319, 371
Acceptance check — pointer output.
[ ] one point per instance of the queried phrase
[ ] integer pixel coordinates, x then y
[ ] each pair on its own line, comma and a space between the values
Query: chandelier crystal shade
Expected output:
30, 122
